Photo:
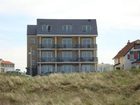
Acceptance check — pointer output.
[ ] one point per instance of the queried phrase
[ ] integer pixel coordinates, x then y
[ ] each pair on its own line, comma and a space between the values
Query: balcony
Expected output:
47, 59
46, 46
88, 46
87, 59
68, 46
68, 59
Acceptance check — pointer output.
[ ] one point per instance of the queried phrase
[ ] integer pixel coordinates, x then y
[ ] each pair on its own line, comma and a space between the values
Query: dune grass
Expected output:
107, 88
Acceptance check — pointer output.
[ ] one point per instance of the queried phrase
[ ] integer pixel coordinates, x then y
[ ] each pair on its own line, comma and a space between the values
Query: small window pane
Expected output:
67, 28
67, 42
86, 28
47, 28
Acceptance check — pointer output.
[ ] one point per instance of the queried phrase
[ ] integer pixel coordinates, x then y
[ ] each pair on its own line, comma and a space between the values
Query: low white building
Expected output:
104, 67
128, 57
6, 66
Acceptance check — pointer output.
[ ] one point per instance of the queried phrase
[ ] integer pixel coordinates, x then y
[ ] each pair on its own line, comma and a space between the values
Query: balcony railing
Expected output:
47, 46
67, 59
68, 46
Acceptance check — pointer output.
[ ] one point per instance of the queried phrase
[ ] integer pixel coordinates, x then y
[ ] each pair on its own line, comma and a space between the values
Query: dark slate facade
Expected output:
55, 26
31, 29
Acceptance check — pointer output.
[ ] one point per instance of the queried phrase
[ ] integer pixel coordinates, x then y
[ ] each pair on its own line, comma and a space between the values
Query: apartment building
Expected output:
61, 46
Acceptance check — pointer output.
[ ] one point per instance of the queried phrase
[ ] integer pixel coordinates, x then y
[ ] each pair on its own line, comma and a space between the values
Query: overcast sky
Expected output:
117, 20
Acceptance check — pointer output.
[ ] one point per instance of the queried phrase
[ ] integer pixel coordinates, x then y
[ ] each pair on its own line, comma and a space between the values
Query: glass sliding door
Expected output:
87, 68
67, 68
47, 42
47, 69
67, 42
86, 55
47, 55
86, 42
67, 55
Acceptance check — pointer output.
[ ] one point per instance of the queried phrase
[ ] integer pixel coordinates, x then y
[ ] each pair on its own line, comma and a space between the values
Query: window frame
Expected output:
46, 27
47, 42
67, 28
86, 28
67, 42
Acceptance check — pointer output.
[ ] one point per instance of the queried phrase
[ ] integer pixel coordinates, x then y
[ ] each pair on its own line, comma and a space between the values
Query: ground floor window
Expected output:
87, 68
67, 68
46, 69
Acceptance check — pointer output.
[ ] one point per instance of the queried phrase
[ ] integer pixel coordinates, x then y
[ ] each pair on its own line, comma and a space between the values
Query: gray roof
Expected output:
56, 26
31, 29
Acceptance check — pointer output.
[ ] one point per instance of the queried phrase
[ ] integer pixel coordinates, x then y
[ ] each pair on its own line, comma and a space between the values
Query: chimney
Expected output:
128, 42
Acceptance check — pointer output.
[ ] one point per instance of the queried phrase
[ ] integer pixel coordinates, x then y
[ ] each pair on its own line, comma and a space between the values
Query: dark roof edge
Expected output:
64, 19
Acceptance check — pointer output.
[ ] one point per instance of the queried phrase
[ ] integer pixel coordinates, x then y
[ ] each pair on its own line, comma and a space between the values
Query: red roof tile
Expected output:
6, 62
125, 50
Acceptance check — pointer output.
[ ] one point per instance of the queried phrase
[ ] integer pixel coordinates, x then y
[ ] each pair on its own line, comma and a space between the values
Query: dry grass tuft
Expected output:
108, 88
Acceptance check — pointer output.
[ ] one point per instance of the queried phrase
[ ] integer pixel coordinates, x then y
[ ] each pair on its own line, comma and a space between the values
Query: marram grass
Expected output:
107, 88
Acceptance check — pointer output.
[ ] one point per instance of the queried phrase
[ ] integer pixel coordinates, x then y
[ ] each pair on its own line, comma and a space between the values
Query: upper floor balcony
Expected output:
68, 46
68, 59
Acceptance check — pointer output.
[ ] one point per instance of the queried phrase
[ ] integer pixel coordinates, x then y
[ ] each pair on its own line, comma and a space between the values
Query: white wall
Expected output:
127, 62
104, 67
9, 69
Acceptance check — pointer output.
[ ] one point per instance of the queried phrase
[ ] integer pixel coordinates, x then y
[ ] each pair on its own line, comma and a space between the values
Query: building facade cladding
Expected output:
61, 45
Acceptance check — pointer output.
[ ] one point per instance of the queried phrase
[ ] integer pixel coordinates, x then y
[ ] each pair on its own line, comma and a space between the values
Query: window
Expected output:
67, 28
67, 42
86, 28
87, 68
49, 28
46, 28
46, 69
128, 56
131, 55
137, 46
86, 55
47, 55
135, 55
86, 42
66, 55
47, 42
32, 40
67, 68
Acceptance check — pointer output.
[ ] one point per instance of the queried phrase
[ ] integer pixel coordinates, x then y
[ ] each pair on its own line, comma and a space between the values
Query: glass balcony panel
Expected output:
67, 46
